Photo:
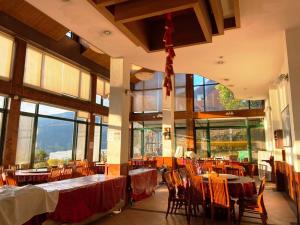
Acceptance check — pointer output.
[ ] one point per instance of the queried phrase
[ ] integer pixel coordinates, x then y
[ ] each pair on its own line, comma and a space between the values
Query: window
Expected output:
50, 136
148, 95
211, 96
4, 105
100, 139
6, 49
181, 137
103, 89
147, 139
52, 74
180, 92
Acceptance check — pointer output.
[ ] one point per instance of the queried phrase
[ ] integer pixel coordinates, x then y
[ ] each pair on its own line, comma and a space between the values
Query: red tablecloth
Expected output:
143, 183
82, 197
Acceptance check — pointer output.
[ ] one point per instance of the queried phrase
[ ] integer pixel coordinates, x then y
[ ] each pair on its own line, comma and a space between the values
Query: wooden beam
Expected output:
217, 11
101, 59
137, 10
144, 117
237, 14
203, 19
108, 2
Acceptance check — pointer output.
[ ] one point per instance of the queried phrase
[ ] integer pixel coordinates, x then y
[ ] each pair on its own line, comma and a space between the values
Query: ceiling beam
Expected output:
203, 19
137, 10
217, 11
237, 15
108, 2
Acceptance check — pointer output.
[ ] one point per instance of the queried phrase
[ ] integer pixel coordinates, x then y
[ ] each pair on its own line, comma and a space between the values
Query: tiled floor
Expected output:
152, 211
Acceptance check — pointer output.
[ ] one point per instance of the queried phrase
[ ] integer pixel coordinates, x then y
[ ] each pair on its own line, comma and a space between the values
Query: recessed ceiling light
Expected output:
230, 85
226, 79
106, 32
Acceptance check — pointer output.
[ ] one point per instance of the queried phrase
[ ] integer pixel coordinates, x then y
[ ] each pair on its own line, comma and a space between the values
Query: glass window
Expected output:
52, 77
28, 107
96, 152
54, 142
25, 136
152, 101
212, 101
85, 84
138, 102
180, 80
137, 143
199, 98
57, 112
154, 83
180, 99
2, 101
258, 104
198, 80
201, 143
104, 144
6, 49
81, 141
33, 67
257, 141
181, 141
70, 80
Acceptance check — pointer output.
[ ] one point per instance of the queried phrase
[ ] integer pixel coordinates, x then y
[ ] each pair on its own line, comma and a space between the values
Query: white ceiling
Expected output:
253, 54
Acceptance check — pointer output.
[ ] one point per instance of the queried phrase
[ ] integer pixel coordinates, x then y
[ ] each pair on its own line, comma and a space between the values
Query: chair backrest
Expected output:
218, 187
233, 171
177, 178
182, 172
190, 170
13, 167
198, 185
67, 173
218, 169
55, 174
10, 177
92, 170
169, 180
78, 172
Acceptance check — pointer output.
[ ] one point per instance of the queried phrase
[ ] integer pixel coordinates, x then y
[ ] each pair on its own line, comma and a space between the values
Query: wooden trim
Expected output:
217, 10
237, 14
136, 10
189, 87
203, 19
108, 2
145, 117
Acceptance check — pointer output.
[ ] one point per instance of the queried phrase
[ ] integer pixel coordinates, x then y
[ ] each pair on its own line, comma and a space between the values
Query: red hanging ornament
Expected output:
168, 40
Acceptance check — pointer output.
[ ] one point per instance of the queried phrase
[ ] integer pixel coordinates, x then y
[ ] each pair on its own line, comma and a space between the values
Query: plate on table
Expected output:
228, 176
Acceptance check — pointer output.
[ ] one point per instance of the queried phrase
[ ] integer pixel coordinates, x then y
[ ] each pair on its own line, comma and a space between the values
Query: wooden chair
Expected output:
66, 173
197, 196
78, 172
218, 169
92, 170
55, 174
14, 167
10, 177
219, 197
179, 183
175, 200
190, 170
254, 205
237, 170
1, 180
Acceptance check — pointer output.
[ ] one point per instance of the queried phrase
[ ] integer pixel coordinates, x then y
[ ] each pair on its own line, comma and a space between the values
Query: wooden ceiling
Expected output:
29, 15
195, 21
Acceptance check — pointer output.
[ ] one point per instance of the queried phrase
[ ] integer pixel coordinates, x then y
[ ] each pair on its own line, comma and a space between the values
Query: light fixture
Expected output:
226, 79
230, 85
283, 77
144, 74
106, 32
220, 61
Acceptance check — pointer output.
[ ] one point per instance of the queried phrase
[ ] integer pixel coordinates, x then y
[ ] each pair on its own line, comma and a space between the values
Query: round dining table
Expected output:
238, 186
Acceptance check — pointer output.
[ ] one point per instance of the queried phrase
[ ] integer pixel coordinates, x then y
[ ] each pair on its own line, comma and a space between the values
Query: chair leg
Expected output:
212, 214
204, 212
263, 218
241, 212
187, 212
172, 207
228, 216
168, 210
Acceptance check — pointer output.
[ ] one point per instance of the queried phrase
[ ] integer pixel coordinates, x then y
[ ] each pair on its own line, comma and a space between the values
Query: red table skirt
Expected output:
143, 184
77, 205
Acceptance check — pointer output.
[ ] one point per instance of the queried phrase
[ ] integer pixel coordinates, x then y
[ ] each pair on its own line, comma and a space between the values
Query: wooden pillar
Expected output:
190, 131
90, 147
12, 127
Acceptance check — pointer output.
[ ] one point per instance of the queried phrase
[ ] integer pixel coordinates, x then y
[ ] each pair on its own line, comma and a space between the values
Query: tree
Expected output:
227, 99
41, 155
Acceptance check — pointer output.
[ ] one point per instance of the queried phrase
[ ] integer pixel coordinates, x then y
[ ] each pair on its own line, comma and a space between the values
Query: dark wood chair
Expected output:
174, 199
238, 171
254, 205
219, 197
218, 169
66, 173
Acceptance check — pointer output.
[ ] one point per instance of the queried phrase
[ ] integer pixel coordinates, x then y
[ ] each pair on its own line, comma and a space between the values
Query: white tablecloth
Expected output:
20, 204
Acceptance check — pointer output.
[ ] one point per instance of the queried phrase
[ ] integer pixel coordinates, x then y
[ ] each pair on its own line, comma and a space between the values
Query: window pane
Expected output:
57, 112
257, 141
156, 82
28, 107
2, 101
139, 85
85, 86
198, 98
201, 143
106, 102
52, 77
198, 80
24, 144
70, 80
137, 143
180, 80
138, 102
256, 104
33, 66
104, 144
229, 143
100, 87
153, 142
180, 99
6, 48
181, 140
212, 101
208, 81
54, 142
81, 141
152, 101
96, 144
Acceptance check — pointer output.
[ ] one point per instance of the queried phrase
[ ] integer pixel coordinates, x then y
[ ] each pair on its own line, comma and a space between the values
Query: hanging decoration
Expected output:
168, 41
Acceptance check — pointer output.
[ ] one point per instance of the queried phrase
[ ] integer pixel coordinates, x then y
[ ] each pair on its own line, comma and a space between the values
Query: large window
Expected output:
147, 139
50, 73
100, 139
230, 139
103, 89
180, 92
6, 49
181, 138
50, 136
211, 96
148, 95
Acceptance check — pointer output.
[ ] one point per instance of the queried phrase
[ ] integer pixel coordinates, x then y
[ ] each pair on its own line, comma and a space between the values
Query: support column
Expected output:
118, 120
190, 129
168, 123
12, 127
90, 147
